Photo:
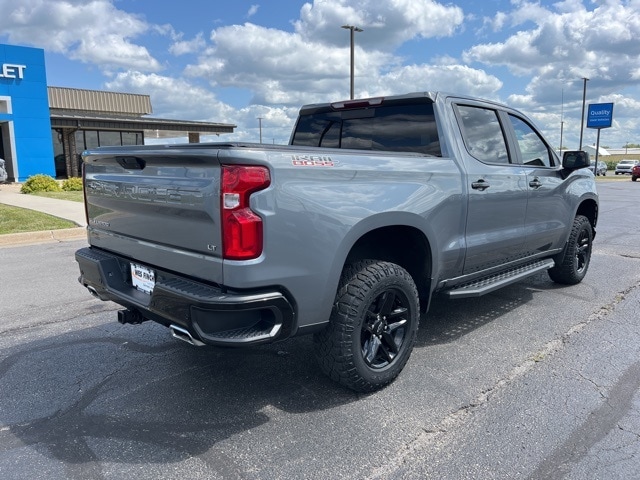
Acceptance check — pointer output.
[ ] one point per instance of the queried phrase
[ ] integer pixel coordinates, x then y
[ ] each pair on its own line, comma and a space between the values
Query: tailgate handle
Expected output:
131, 163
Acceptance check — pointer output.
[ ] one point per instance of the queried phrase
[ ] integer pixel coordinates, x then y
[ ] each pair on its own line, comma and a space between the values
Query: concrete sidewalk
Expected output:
73, 211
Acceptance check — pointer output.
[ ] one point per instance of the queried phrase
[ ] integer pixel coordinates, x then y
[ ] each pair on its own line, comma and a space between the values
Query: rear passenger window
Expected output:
482, 134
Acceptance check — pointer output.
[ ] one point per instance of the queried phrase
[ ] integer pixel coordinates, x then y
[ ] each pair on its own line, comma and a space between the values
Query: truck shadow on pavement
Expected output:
449, 320
132, 394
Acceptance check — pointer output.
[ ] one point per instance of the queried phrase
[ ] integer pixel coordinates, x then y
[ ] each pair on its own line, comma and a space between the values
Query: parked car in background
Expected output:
602, 168
625, 166
3, 171
635, 172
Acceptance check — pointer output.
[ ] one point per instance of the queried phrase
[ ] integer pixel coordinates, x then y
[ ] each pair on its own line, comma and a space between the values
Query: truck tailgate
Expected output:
157, 208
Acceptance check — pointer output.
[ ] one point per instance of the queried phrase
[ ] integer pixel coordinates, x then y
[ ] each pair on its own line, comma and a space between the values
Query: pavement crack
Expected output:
599, 388
635, 434
626, 255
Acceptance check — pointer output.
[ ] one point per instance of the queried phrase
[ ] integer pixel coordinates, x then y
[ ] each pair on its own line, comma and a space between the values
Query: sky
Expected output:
238, 61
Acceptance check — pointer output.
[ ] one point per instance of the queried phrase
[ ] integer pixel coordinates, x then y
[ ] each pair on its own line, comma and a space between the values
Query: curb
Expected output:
46, 236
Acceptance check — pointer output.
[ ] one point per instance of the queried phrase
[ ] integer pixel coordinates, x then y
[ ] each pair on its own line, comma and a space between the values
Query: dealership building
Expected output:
45, 129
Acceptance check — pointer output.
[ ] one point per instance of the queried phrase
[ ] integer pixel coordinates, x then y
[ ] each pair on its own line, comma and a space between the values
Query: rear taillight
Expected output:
241, 227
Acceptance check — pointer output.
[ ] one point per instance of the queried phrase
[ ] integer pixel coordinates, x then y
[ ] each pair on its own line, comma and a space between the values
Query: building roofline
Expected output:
75, 108
115, 122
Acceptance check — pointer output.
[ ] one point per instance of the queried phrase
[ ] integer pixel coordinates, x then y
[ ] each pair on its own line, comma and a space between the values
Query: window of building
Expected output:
90, 140
109, 138
5, 105
132, 138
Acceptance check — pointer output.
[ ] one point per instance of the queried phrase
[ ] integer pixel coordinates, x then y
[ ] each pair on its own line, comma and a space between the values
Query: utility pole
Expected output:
352, 29
584, 97
561, 121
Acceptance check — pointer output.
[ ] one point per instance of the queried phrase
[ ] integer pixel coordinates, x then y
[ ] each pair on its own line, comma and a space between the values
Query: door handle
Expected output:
481, 185
535, 183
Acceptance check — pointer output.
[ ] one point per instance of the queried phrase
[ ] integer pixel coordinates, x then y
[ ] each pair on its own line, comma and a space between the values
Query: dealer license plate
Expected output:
143, 278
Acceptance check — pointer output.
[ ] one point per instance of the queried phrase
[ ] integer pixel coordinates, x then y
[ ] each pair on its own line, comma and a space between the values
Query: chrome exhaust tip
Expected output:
93, 292
184, 335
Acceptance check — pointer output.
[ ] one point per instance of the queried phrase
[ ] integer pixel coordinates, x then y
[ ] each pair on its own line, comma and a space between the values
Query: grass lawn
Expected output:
73, 196
16, 219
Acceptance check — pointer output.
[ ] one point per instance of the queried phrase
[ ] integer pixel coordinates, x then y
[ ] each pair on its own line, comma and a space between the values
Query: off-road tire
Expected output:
574, 264
372, 328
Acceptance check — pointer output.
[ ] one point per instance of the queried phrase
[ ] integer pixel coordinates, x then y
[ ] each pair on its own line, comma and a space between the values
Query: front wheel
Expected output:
372, 328
633, 179
577, 255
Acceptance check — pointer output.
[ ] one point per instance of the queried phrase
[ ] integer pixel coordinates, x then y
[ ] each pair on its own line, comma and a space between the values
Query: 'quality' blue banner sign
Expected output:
600, 115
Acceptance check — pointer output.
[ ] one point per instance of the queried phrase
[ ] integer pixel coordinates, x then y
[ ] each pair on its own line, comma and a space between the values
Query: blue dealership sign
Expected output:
600, 115
25, 120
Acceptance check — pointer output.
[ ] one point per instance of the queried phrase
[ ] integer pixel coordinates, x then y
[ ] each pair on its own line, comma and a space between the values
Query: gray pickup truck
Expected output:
346, 233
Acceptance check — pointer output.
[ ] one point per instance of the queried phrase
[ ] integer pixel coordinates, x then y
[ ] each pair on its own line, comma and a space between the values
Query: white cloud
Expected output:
496, 23
311, 64
570, 37
179, 99
92, 32
184, 47
172, 97
252, 10
386, 24
449, 78
281, 67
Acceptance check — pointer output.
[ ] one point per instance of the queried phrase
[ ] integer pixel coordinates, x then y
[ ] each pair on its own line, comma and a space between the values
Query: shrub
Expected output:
40, 183
72, 185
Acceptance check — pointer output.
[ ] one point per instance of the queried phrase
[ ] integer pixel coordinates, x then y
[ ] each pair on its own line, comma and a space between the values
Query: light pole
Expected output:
561, 121
352, 29
260, 127
584, 96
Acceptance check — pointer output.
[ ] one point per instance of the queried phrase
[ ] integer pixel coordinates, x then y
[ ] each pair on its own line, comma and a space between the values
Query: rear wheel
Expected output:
633, 179
372, 328
577, 255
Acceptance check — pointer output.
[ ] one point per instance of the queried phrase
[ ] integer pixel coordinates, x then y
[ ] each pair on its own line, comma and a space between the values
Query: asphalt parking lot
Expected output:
533, 381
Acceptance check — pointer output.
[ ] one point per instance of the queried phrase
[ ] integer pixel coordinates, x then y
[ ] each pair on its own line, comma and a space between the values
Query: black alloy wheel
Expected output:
384, 330
571, 268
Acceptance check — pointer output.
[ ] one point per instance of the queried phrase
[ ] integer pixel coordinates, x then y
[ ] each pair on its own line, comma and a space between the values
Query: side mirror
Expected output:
574, 160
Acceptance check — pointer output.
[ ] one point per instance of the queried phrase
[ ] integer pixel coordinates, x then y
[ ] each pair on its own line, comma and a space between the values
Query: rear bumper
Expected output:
209, 313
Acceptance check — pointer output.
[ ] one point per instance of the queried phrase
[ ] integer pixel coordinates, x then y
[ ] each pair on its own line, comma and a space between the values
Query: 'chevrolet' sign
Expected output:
10, 70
